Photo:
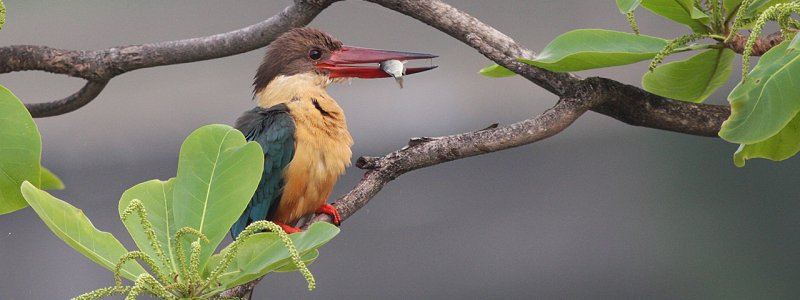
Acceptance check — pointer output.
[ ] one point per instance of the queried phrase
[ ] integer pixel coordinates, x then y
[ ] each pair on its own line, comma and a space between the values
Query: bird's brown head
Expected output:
308, 50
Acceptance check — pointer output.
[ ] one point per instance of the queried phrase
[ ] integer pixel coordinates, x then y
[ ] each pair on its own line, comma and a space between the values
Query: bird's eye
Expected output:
314, 54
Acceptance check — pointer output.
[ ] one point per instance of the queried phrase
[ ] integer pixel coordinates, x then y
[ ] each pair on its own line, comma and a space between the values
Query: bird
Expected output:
300, 127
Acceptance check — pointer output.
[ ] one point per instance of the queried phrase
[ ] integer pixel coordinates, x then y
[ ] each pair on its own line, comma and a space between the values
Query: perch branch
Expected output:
433, 151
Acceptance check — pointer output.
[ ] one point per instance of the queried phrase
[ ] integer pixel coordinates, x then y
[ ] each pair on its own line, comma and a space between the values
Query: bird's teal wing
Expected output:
273, 128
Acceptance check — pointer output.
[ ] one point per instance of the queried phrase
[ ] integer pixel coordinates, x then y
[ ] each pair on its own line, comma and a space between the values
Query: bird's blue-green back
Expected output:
273, 128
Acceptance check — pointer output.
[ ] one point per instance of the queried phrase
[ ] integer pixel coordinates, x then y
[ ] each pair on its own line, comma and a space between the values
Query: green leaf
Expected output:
496, 71
585, 49
691, 80
731, 5
20, 151
763, 104
759, 6
778, 147
794, 45
699, 15
72, 226
755, 8
218, 172
50, 181
681, 11
156, 197
626, 6
264, 252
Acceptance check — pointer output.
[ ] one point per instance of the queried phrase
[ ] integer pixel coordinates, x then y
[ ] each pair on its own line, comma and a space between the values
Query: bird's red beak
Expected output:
342, 62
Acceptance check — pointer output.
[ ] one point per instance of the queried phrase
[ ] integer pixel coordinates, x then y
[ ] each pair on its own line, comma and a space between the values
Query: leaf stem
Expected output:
716, 37
697, 47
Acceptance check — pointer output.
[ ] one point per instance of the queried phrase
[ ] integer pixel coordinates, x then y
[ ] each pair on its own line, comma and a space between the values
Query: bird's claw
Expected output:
331, 211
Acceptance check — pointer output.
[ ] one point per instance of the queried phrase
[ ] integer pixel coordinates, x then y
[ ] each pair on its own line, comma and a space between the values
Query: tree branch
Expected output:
637, 107
426, 152
70, 103
99, 66
761, 46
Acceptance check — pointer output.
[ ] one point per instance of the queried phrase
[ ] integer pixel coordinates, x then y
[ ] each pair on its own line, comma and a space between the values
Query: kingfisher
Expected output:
301, 129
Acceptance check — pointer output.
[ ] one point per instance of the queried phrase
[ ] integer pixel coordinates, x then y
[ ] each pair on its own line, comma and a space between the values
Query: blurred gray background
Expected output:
602, 211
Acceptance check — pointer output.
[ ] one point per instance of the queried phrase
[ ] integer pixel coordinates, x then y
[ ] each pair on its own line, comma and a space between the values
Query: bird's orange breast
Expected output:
322, 152
310, 178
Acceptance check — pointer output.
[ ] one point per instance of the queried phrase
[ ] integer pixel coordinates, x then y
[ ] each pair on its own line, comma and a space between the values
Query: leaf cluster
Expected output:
177, 224
764, 104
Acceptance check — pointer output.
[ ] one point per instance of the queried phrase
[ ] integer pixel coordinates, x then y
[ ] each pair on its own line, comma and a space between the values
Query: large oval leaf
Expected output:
20, 151
691, 80
763, 104
218, 172
778, 147
264, 252
585, 49
156, 197
681, 11
72, 226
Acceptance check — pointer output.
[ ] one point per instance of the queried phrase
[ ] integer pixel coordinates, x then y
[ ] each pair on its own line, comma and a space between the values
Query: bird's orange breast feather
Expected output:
322, 145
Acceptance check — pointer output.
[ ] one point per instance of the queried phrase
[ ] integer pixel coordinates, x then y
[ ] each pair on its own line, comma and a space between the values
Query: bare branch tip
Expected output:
492, 126
368, 162
416, 141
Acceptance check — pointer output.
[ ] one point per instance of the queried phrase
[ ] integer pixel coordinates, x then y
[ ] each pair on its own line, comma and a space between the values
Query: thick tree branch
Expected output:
99, 66
637, 107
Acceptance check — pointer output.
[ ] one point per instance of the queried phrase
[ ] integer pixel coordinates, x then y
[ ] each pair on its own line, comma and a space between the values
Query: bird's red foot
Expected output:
331, 211
287, 228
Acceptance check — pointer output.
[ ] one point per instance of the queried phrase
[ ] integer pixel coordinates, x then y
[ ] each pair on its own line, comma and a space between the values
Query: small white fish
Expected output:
395, 68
